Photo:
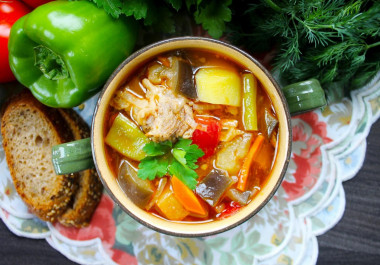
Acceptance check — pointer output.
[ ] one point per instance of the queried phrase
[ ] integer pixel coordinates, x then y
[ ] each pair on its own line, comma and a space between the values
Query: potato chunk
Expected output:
168, 205
218, 85
233, 152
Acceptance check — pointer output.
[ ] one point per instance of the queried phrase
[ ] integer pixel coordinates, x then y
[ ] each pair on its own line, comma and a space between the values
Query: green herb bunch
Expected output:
164, 15
334, 41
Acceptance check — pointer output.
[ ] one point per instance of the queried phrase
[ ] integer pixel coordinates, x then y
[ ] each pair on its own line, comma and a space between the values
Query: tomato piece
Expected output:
232, 208
10, 12
206, 136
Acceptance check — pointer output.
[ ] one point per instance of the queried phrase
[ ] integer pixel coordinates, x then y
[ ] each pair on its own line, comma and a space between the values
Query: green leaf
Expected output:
317, 223
183, 143
208, 257
193, 152
244, 259
227, 259
165, 23
184, 174
213, 17
136, 8
216, 242
179, 155
157, 149
162, 159
237, 241
253, 238
190, 3
160, 18
176, 4
150, 167
112, 7
261, 249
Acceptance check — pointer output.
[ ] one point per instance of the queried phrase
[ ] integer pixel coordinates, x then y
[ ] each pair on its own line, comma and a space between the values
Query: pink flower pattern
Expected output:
306, 160
102, 226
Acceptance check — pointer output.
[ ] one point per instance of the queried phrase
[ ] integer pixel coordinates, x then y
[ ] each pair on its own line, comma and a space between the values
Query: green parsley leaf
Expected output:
157, 149
136, 8
160, 18
190, 3
152, 167
213, 17
193, 152
176, 4
184, 174
111, 7
164, 158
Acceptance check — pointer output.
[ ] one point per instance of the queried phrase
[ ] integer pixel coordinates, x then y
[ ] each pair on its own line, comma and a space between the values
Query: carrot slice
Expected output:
244, 171
187, 198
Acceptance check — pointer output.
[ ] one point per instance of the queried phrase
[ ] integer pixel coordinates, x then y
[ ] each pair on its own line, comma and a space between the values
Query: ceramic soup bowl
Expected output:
178, 228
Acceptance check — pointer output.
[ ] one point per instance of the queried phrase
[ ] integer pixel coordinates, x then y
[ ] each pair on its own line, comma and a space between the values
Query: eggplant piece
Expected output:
139, 191
183, 81
238, 196
179, 76
213, 186
270, 122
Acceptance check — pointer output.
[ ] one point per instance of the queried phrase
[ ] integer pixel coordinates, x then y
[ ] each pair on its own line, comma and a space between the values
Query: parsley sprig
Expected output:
161, 14
167, 159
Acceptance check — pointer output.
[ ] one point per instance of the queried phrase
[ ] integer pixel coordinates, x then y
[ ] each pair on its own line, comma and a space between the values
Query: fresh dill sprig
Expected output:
335, 41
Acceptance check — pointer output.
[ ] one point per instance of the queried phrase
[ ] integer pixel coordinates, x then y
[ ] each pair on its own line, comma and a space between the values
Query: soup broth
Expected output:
191, 136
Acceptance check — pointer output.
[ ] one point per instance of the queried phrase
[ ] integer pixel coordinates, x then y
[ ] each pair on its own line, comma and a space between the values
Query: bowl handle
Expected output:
304, 96
72, 157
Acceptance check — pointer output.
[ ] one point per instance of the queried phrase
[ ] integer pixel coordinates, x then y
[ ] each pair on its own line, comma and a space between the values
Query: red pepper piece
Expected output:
232, 208
206, 136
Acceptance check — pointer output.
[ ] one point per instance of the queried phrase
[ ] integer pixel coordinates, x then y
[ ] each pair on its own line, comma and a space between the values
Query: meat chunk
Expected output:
163, 115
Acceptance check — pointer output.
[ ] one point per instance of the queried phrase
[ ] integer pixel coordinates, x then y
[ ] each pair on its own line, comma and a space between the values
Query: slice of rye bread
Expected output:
90, 188
29, 130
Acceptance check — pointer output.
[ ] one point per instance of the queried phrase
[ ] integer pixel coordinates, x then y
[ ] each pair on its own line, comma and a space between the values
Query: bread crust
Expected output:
90, 188
51, 200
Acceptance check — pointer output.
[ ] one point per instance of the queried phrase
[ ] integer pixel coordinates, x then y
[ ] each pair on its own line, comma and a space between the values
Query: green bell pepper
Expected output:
126, 138
65, 51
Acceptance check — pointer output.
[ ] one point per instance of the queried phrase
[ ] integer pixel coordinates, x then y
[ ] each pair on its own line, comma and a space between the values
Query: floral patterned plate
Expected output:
328, 148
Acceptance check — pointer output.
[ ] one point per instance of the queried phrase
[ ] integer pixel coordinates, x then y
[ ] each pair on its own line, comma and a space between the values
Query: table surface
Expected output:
354, 240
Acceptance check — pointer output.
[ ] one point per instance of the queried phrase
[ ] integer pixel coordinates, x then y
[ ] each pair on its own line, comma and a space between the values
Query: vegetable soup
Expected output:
191, 136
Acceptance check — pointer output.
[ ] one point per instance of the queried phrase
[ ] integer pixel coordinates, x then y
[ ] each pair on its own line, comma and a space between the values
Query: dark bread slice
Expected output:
90, 188
29, 130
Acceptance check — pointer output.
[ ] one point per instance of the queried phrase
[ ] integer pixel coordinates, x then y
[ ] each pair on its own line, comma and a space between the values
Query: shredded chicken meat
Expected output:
162, 114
